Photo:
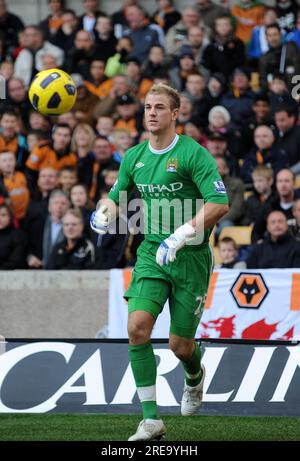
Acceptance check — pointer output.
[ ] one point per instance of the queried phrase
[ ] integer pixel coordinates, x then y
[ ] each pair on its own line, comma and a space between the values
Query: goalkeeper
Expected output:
174, 262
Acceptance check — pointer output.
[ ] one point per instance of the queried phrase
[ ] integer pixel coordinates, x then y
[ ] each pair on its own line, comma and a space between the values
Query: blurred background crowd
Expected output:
237, 68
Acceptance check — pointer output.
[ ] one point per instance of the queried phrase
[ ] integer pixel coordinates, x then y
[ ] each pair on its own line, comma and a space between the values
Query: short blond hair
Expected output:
263, 170
171, 93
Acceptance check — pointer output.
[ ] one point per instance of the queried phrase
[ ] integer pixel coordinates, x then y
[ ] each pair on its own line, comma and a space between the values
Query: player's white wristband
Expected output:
185, 232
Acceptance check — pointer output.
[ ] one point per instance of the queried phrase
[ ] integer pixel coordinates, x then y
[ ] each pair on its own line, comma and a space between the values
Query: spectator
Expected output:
122, 140
91, 12
235, 190
279, 249
156, 63
105, 38
282, 201
261, 115
166, 15
220, 122
80, 199
55, 154
107, 105
141, 34
6, 70
281, 58
97, 83
185, 113
82, 140
247, 14
217, 144
192, 130
34, 137
278, 92
68, 118
209, 12
225, 52
195, 88
54, 21
75, 252
46, 230
105, 127
67, 177
262, 178
263, 153
39, 121
80, 56
228, 251
91, 169
11, 140
127, 115
65, 36
288, 134
116, 64
29, 60
15, 183
17, 98
294, 35
197, 40
178, 74
240, 99
295, 228
215, 88
139, 84
12, 242
286, 12
258, 44
177, 34
10, 25
85, 102
119, 18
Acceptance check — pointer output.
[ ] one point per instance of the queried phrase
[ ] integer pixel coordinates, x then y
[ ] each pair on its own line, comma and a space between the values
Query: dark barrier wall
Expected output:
95, 376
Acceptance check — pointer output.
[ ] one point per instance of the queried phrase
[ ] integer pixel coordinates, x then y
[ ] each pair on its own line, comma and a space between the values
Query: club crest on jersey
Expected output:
219, 187
172, 165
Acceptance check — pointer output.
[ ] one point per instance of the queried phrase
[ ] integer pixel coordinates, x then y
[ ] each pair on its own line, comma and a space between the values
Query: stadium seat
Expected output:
240, 234
297, 181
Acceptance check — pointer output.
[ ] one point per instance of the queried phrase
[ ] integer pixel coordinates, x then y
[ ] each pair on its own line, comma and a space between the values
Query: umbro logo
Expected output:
139, 165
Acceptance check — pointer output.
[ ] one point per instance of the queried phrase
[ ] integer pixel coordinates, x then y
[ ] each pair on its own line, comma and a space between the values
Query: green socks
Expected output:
192, 368
143, 366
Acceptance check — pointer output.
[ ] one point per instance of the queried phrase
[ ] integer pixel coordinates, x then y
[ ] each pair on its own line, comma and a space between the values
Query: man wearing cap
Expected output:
127, 115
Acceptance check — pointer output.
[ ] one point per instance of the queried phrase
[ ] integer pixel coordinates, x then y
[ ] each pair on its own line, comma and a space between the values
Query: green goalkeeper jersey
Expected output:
173, 183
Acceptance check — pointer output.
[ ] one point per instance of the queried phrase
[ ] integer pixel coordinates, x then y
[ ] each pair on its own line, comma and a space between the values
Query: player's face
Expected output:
159, 116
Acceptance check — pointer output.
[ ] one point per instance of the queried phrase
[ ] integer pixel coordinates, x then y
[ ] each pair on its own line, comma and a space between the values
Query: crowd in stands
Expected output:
234, 65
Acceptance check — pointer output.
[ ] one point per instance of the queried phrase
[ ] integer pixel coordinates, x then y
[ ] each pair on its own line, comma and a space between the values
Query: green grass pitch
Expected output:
100, 427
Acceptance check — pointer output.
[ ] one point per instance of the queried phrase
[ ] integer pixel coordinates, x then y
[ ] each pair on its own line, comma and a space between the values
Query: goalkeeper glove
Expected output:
166, 252
100, 220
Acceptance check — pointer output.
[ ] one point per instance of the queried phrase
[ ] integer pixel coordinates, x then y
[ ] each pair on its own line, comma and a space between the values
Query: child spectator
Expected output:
122, 141
80, 199
105, 126
97, 83
34, 137
12, 242
15, 183
228, 252
262, 178
67, 177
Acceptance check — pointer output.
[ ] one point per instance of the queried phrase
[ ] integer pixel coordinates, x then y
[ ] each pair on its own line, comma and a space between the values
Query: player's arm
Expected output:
205, 175
107, 209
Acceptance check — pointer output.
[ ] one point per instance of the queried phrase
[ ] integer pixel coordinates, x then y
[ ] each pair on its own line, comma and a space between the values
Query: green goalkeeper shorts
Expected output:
183, 282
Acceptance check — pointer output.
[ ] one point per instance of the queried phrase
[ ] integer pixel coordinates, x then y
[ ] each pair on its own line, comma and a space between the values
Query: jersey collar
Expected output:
166, 149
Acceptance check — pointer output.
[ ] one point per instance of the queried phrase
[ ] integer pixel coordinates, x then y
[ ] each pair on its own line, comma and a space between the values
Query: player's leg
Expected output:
143, 364
190, 275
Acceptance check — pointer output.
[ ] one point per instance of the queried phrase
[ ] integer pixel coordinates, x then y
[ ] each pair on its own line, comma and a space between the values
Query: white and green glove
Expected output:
167, 250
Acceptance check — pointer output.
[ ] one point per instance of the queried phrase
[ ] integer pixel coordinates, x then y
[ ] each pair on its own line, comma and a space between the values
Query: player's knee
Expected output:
182, 349
138, 332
